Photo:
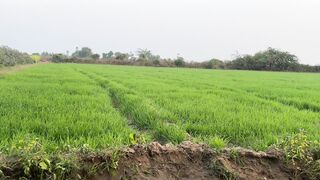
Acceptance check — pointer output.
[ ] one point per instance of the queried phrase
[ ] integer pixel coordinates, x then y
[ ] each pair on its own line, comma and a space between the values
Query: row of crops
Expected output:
104, 106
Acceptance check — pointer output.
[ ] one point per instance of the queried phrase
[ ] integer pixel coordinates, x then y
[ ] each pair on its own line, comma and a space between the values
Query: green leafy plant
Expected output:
297, 148
132, 138
31, 157
302, 154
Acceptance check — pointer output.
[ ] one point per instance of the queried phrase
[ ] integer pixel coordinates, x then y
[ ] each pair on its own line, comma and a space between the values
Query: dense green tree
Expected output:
58, 58
11, 57
108, 55
121, 56
144, 54
213, 64
85, 52
179, 62
271, 59
95, 56
217, 64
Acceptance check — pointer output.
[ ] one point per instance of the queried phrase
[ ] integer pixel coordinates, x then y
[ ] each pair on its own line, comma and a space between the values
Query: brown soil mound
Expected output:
195, 161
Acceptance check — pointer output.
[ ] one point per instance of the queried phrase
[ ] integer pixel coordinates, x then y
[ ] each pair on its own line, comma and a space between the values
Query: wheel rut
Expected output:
141, 113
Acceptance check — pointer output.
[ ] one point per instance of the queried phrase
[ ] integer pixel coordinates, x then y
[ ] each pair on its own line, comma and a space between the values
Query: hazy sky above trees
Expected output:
196, 29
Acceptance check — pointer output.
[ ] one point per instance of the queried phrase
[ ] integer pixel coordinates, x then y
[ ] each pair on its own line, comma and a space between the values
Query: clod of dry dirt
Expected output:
195, 161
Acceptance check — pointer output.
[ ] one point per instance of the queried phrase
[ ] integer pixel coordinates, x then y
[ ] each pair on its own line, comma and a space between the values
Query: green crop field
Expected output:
103, 106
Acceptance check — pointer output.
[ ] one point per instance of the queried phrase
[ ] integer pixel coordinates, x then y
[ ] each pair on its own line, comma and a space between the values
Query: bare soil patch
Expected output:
195, 161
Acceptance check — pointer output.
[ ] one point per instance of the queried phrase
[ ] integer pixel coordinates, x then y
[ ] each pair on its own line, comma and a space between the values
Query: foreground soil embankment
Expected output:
194, 161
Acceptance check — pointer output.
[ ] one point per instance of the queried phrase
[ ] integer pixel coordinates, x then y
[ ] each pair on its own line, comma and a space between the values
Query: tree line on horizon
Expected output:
267, 60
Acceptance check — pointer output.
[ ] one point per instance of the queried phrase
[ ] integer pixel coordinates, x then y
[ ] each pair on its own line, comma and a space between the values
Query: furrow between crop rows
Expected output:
142, 112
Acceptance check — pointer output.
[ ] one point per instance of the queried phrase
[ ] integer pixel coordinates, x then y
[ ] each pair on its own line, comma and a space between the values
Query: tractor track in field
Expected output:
114, 101
134, 92
155, 104
132, 122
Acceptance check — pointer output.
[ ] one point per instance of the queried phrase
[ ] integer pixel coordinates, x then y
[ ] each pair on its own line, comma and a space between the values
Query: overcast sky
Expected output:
196, 29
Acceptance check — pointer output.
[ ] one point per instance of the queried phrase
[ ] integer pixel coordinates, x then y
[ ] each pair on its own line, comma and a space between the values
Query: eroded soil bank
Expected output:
195, 161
